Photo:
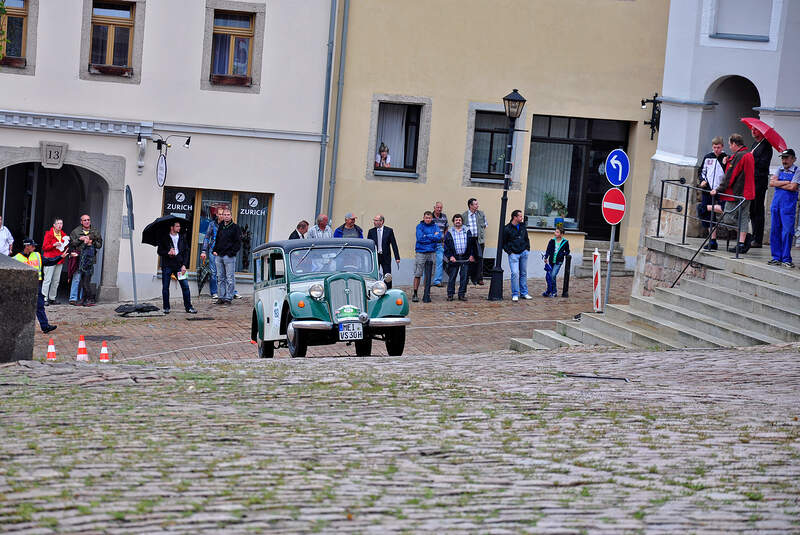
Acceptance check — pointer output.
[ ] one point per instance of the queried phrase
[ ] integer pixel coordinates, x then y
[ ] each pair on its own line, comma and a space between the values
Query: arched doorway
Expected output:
735, 97
32, 196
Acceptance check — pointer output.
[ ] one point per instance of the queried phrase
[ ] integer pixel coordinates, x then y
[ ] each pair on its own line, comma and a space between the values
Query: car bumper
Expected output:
319, 325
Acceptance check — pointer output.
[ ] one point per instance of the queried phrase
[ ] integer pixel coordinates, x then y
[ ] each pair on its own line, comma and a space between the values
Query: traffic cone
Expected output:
51, 351
83, 355
104, 356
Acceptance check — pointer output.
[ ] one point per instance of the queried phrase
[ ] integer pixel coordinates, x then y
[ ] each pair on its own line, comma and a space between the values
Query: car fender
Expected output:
311, 309
386, 305
259, 309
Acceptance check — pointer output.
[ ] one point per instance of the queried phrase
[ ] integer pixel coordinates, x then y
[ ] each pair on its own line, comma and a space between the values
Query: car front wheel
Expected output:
298, 346
395, 341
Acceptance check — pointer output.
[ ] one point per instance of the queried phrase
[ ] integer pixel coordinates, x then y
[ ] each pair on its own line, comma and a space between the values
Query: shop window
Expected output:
112, 38
14, 26
200, 207
489, 145
398, 134
232, 48
565, 172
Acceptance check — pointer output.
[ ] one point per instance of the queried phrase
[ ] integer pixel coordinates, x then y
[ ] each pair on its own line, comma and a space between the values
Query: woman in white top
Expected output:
383, 159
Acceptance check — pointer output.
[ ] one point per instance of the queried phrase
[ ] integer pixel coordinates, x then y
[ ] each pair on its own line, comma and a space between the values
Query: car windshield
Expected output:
331, 260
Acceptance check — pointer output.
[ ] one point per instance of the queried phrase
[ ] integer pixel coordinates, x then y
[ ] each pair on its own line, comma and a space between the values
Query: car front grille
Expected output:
346, 292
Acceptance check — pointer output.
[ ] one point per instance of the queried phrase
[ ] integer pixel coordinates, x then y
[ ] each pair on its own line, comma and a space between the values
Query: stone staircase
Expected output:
618, 269
725, 302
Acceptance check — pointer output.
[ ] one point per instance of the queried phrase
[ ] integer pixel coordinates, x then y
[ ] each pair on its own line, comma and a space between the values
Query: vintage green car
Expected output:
318, 292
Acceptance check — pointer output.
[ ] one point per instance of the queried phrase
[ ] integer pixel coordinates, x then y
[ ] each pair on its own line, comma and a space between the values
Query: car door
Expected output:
275, 268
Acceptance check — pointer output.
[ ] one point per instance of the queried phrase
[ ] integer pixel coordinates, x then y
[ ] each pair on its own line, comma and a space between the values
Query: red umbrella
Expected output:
767, 131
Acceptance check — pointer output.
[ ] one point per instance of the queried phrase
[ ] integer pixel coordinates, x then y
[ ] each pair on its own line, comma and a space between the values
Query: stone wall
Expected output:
661, 269
19, 285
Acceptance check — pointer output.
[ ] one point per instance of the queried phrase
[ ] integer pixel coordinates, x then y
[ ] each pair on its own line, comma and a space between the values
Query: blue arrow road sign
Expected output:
618, 166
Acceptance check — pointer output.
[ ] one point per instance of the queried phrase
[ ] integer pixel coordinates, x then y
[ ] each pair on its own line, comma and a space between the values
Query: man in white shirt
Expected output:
6, 239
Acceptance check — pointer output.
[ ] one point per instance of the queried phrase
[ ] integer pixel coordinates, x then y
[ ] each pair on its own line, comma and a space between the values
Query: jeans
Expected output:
40, 314
437, 277
226, 269
212, 280
460, 268
519, 273
52, 276
74, 289
552, 289
166, 273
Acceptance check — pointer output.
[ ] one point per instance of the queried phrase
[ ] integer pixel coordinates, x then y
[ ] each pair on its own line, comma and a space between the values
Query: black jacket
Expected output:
388, 240
229, 240
762, 155
295, 235
180, 259
515, 239
450, 245
551, 250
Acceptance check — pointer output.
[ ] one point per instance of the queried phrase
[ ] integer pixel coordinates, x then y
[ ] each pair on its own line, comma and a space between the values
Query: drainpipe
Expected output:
340, 87
323, 145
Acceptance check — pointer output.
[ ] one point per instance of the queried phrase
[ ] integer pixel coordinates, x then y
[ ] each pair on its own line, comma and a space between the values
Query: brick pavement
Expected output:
218, 332
696, 442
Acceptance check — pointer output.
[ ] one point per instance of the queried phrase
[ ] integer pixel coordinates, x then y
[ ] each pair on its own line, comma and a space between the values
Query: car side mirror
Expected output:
387, 278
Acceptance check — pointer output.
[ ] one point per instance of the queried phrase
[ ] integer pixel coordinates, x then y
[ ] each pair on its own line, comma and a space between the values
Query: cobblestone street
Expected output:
485, 443
223, 332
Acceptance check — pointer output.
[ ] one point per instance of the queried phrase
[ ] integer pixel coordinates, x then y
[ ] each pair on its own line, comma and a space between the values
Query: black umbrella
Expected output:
203, 274
159, 228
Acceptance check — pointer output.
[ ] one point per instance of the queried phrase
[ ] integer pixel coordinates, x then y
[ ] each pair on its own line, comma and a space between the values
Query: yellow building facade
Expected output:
426, 79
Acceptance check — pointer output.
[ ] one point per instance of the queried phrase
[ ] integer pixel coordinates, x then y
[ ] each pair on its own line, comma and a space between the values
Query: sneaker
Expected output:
789, 265
426, 299
46, 303
49, 328
191, 310
449, 297
414, 298
237, 296
166, 311
214, 296
711, 246
437, 284
526, 296
545, 294
741, 247
73, 303
515, 298
774, 262
462, 297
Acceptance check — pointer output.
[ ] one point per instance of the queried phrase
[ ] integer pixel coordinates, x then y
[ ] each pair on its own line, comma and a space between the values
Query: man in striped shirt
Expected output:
459, 249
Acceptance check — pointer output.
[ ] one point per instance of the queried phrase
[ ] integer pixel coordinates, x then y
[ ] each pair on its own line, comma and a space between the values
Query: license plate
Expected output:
351, 331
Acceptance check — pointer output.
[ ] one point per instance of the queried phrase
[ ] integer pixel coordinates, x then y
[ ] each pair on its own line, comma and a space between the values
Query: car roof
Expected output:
289, 245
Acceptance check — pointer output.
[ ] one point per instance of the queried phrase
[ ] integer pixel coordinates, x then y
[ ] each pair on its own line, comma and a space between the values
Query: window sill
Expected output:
740, 37
404, 174
224, 79
17, 63
487, 180
111, 70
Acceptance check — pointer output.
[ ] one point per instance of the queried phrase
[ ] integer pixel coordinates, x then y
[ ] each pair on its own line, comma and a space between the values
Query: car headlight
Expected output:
379, 288
316, 291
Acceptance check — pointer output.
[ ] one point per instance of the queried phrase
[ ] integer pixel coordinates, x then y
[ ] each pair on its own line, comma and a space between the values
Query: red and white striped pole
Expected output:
597, 304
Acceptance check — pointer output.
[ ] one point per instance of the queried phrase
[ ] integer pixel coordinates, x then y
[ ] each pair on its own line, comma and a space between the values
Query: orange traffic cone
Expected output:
51, 351
104, 356
83, 355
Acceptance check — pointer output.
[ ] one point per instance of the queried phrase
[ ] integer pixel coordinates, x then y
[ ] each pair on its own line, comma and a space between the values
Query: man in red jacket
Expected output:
738, 180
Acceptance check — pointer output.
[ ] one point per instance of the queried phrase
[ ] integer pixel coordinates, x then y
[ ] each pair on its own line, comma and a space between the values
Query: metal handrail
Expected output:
681, 183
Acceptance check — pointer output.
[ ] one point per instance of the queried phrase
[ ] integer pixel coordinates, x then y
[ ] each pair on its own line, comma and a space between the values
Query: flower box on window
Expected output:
111, 70
19, 63
226, 79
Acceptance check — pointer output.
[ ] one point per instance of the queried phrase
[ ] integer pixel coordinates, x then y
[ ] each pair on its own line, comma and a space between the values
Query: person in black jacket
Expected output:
460, 250
557, 251
229, 241
762, 155
383, 237
710, 174
517, 246
173, 249
299, 233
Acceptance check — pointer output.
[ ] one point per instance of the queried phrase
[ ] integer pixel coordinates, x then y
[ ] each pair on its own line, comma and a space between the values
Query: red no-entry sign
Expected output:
613, 206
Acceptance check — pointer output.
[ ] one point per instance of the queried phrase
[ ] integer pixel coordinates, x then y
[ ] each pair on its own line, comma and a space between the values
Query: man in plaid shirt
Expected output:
459, 249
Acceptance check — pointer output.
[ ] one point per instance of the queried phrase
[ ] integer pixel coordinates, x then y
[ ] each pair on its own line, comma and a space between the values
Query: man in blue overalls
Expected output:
784, 206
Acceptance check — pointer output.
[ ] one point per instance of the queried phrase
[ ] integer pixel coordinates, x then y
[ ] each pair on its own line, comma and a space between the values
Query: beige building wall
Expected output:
591, 59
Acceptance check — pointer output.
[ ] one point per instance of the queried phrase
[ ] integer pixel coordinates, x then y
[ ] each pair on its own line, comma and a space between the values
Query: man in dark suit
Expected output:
383, 237
300, 232
173, 249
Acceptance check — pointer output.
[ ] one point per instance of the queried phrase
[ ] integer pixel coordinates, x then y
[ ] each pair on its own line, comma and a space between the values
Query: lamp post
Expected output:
513, 102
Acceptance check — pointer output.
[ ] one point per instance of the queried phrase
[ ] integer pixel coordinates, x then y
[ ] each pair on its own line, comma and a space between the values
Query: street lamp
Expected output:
513, 102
